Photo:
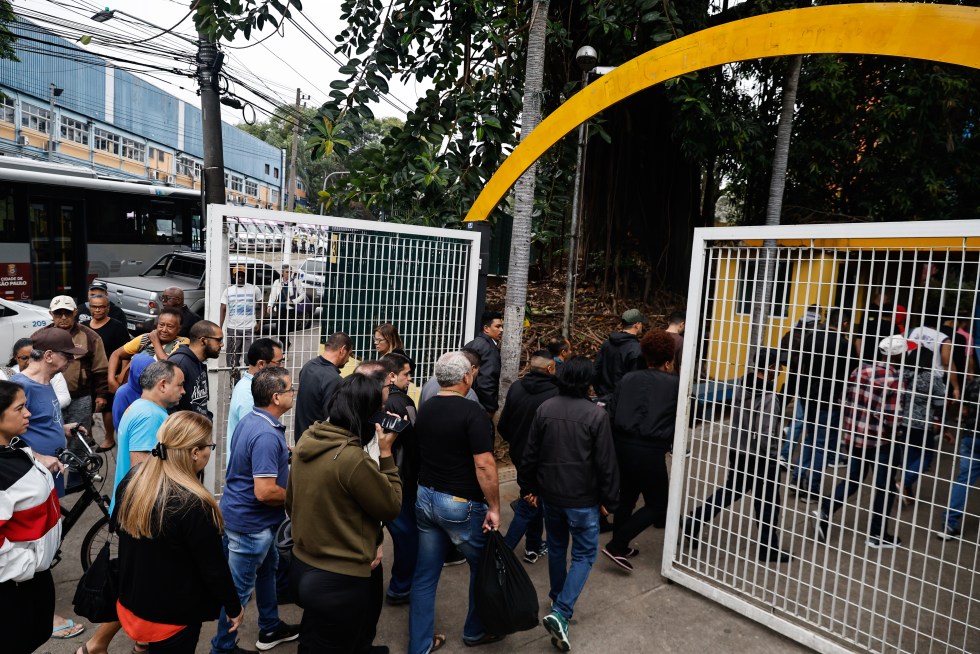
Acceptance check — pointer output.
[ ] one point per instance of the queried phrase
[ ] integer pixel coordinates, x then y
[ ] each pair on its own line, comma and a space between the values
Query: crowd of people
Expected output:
587, 439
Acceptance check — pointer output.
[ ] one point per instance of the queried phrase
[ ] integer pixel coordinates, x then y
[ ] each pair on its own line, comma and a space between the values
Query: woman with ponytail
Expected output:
173, 574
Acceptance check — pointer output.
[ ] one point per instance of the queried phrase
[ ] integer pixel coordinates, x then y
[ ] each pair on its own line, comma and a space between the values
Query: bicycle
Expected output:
88, 467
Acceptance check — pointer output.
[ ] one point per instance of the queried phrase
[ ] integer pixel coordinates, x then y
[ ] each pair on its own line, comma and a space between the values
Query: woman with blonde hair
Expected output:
173, 574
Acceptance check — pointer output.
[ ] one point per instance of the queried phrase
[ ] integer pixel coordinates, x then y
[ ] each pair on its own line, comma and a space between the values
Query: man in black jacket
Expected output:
317, 381
523, 399
570, 467
619, 355
487, 344
206, 342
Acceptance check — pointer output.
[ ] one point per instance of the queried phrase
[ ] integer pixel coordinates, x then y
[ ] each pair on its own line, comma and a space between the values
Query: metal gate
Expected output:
842, 591
355, 274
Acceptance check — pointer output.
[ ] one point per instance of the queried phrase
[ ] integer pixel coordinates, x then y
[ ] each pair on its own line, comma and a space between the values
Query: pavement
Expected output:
617, 612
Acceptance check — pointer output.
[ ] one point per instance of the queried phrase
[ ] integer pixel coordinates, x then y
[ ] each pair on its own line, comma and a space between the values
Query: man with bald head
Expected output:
174, 297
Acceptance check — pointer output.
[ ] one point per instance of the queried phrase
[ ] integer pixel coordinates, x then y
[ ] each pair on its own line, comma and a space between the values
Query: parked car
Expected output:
139, 297
18, 320
313, 274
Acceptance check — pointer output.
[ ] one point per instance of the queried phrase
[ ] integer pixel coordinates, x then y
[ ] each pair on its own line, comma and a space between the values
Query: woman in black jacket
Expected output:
642, 411
173, 574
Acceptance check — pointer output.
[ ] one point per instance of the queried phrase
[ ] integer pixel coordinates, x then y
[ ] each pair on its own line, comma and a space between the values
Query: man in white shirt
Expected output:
241, 305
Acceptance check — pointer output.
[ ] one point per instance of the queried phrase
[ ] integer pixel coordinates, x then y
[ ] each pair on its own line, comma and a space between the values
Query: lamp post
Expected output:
324, 189
54, 92
586, 58
209, 61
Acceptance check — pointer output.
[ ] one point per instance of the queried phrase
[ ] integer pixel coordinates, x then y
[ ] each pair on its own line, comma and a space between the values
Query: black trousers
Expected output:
885, 460
183, 642
642, 471
747, 472
25, 616
339, 614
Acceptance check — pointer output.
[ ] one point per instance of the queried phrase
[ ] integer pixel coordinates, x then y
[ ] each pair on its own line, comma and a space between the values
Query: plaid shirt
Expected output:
871, 404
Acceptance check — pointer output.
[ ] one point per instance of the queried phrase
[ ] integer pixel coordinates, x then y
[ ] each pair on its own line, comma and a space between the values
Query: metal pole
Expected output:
336, 172
214, 159
51, 126
573, 235
292, 155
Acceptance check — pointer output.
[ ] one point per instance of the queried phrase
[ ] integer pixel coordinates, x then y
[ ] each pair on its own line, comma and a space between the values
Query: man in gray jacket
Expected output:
752, 458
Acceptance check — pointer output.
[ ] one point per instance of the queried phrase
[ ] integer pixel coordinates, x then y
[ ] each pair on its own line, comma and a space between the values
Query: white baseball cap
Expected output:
62, 302
893, 345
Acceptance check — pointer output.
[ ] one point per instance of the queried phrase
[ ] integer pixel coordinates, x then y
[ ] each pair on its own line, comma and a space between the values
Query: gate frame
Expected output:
216, 241
843, 235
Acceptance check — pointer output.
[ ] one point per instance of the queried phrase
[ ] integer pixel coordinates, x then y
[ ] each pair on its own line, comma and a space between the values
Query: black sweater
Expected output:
644, 407
523, 399
181, 576
317, 381
487, 386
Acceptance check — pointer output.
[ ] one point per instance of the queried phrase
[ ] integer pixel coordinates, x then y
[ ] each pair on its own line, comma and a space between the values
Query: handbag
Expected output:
98, 589
505, 598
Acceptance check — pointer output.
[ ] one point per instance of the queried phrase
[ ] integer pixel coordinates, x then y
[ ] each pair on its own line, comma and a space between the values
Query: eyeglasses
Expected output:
62, 313
381, 340
220, 339
68, 355
211, 445
288, 390
97, 308
278, 362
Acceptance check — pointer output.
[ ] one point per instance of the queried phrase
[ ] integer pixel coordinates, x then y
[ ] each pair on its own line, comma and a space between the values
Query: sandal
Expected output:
83, 649
438, 640
67, 628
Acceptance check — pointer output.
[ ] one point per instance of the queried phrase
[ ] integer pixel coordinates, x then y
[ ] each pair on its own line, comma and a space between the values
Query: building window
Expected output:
236, 183
133, 150
226, 180
34, 117
275, 197
251, 188
160, 155
267, 169
152, 153
106, 141
188, 167
74, 130
275, 173
7, 115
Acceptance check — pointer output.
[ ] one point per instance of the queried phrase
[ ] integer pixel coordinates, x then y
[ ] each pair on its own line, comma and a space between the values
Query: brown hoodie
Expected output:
337, 497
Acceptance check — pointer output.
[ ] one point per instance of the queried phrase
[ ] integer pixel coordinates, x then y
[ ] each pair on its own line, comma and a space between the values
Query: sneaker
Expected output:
530, 556
284, 634
454, 557
906, 492
774, 555
821, 526
556, 625
618, 559
884, 542
397, 600
949, 533
784, 463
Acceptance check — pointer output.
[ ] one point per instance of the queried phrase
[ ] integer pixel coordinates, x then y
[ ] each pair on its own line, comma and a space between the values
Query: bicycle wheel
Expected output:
92, 544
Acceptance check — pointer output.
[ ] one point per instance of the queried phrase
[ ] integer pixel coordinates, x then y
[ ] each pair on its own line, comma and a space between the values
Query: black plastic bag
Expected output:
98, 589
506, 600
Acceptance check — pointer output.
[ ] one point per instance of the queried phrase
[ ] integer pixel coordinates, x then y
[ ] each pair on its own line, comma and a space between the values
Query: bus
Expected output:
62, 226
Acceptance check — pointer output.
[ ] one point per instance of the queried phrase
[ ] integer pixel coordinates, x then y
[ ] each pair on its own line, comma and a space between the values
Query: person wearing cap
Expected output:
100, 289
620, 354
241, 309
753, 452
871, 413
173, 296
88, 374
46, 432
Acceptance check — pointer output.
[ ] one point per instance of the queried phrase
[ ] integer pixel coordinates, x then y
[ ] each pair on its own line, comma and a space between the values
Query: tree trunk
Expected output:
766, 268
520, 244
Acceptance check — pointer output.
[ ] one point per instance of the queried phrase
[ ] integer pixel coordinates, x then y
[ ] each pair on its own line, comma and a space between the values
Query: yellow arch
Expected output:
945, 33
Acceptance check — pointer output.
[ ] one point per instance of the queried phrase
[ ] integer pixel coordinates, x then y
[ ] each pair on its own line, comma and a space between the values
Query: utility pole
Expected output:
209, 60
292, 156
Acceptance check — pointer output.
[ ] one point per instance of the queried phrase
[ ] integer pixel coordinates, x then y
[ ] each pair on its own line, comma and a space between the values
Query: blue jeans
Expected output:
404, 532
444, 521
819, 446
969, 472
795, 431
528, 523
252, 559
921, 449
583, 527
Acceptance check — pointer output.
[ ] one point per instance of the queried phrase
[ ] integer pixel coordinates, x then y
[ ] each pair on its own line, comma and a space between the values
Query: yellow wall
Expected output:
133, 167
813, 281
73, 149
7, 132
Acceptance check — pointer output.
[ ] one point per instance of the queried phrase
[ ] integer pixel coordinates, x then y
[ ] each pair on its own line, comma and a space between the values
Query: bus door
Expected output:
58, 247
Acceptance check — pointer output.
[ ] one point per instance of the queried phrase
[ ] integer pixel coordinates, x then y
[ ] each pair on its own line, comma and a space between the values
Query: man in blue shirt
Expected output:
163, 386
255, 491
263, 352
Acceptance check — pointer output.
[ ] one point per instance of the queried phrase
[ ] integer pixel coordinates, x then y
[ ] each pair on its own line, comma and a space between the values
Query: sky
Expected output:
278, 66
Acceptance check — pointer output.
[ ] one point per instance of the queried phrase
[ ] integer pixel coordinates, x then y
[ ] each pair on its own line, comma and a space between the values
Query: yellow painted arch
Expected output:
944, 33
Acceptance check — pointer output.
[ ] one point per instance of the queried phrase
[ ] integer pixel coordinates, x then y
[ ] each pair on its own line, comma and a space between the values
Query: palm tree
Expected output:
520, 245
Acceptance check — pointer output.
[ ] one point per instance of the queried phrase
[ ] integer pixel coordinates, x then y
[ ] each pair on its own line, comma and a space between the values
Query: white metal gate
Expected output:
356, 275
837, 594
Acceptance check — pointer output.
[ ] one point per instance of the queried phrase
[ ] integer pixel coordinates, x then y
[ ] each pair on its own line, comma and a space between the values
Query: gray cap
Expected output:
633, 316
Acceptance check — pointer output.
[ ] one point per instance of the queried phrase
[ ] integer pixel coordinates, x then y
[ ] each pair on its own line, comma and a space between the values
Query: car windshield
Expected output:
314, 267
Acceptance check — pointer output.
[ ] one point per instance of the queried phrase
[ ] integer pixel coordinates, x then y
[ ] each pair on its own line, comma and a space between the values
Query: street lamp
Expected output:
109, 14
586, 58
324, 189
54, 92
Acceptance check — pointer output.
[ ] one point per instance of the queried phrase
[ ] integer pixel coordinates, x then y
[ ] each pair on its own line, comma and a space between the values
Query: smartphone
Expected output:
391, 423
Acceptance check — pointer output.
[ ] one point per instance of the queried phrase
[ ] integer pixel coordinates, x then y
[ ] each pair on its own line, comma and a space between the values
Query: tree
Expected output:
7, 37
223, 19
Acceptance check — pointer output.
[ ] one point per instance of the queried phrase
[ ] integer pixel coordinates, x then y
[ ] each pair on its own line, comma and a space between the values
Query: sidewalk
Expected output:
618, 611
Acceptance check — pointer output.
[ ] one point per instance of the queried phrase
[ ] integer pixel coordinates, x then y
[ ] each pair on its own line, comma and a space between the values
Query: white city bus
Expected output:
61, 226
